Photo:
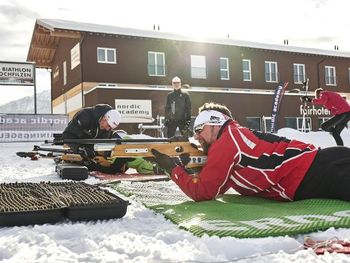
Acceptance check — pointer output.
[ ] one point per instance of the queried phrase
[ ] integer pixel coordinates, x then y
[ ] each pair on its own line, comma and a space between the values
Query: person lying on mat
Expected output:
258, 164
101, 122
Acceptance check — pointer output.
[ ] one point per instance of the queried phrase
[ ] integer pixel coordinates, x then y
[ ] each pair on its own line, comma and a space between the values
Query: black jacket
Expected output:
85, 124
178, 106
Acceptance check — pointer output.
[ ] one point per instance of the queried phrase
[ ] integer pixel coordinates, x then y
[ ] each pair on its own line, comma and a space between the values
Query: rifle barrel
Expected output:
122, 141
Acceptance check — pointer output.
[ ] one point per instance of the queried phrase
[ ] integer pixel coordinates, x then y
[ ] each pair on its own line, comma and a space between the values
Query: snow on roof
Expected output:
57, 24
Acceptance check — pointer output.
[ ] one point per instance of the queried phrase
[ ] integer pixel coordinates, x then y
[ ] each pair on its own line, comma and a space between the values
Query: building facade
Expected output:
132, 69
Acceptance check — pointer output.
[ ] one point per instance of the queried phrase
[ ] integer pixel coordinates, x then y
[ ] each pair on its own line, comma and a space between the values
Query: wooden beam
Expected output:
66, 34
43, 45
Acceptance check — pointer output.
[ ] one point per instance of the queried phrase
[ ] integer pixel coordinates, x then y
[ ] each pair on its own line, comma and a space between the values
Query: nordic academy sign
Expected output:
12, 73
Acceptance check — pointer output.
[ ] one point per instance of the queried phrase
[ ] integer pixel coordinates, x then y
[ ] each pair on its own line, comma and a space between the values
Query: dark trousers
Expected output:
335, 125
172, 126
328, 176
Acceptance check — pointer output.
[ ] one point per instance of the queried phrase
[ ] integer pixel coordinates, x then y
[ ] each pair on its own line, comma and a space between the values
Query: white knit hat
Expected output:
209, 117
176, 79
113, 118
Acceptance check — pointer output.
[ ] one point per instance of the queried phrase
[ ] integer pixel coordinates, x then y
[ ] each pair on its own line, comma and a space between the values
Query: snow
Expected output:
142, 235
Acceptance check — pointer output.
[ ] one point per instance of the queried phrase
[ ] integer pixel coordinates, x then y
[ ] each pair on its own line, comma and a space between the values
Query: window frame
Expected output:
227, 70
64, 65
296, 75
106, 49
299, 124
249, 71
257, 120
156, 73
327, 70
197, 75
270, 73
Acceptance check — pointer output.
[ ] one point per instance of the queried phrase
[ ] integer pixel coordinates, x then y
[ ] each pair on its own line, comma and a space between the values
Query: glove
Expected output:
92, 166
164, 161
184, 159
87, 152
305, 99
166, 122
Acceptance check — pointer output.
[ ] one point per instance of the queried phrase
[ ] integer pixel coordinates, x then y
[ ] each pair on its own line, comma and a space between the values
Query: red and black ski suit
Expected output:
338, 107
250, 162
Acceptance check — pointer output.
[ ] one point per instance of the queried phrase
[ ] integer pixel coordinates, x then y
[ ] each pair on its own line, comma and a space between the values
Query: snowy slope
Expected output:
26, 104
142, 235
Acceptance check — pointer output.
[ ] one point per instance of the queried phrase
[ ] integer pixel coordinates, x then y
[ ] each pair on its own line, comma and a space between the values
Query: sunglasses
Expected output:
176, 82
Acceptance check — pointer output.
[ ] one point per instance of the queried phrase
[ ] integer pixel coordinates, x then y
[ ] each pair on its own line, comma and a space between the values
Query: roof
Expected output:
47, 33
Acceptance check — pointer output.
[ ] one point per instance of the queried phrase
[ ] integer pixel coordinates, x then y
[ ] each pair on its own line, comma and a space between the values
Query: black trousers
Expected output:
172, 126
335, 125
328, 176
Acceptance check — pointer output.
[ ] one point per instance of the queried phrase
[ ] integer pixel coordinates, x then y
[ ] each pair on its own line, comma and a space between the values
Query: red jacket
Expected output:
333, 102
252, 163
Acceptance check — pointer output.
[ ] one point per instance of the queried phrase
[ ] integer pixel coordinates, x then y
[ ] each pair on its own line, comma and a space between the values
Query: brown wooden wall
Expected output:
241, 105
131, 67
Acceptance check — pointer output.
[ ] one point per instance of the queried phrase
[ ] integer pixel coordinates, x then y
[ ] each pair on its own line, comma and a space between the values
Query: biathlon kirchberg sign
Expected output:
12, 73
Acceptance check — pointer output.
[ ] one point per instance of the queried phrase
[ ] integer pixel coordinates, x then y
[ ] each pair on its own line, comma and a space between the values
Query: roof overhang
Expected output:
44, 43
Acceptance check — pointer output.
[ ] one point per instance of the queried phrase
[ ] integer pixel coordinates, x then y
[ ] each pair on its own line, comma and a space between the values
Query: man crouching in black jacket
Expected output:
99, 122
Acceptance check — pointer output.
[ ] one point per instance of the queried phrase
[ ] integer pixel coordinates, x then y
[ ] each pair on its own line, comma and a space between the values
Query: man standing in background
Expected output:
178, 110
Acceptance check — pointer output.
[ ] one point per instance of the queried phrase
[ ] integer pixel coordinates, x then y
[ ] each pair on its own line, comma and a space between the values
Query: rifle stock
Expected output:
132, 148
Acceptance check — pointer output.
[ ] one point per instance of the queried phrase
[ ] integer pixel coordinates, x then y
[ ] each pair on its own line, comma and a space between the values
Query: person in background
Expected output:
258, 164
100, 122
178, 110
338, 107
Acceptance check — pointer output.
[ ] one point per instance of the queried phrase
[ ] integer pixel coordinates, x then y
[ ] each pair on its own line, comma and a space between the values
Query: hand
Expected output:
305, 99
87, 152
184, 159
164, 161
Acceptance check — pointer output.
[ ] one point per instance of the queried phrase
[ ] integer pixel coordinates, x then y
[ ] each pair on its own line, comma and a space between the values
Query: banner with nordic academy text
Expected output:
276, 102
135, 111
31, 127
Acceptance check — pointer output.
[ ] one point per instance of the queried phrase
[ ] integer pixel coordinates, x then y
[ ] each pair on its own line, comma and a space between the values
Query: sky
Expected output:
305, 23
143, 235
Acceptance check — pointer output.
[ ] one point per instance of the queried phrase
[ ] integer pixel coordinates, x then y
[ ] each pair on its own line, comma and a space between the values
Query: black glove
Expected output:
92, 166
184, 159
164, 161
87, 152
166, 122
305, 99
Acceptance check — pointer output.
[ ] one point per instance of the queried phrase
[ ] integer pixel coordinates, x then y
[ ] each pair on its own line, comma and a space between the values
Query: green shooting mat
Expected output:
239, 216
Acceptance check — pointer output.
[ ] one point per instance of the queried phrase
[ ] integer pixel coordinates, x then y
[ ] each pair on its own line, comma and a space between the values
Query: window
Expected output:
330, 76
271, 71
266, 121
64, 73
254, 123
247, 75
299, 123
198, 67
224, 69
156, 63
299, 73
106, 55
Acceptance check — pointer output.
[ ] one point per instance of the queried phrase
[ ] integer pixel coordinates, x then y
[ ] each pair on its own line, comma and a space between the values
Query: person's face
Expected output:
206, 136
176, 85
104, 124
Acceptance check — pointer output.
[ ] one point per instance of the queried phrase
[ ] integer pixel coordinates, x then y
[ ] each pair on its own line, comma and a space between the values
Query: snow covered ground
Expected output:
141, 235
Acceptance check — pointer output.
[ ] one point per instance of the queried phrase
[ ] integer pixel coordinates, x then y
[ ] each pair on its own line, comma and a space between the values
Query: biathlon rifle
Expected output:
132, 148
